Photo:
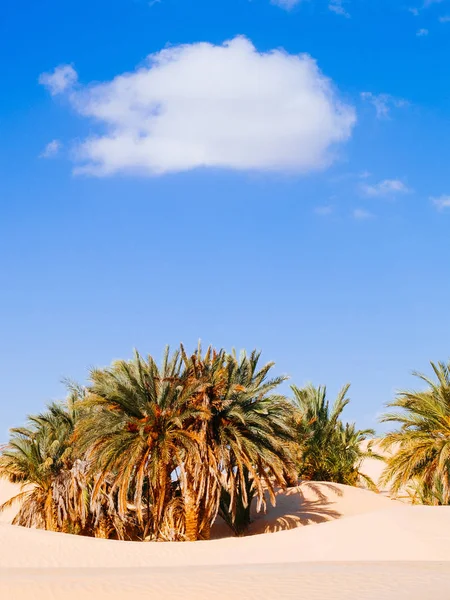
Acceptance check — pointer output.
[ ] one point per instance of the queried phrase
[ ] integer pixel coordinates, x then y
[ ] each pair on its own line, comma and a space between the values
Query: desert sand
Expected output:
320, 541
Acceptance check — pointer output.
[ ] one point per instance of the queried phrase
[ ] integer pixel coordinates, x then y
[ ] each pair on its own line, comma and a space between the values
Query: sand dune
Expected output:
405, 533
309, 503
365, 532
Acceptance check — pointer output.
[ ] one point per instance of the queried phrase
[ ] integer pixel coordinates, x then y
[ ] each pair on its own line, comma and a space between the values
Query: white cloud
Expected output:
426, 4
422, 33
200, 105
324, 211
362, 215
441, 202
383, 103
286, 4
337, 6
59, 80
387, 187
51, 149
445, 19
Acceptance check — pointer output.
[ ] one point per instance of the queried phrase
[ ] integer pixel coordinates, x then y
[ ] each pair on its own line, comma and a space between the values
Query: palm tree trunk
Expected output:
160, 500
102, 530
149, 519
50, 521
291, 479
191, 516
205, 532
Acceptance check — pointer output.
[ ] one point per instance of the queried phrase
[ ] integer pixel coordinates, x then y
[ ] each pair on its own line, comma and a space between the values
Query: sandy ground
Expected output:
321, 541
309, 581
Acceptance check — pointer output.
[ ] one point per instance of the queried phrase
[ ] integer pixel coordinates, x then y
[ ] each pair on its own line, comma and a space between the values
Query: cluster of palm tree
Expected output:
416, 452
330, 449
157, 452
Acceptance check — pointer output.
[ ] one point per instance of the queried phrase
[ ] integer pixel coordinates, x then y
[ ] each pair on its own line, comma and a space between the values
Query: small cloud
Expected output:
383, 103
445, 19
286, 4
59, 80
324, 211
426, 4
51, 149
441, 202
422, 33
337, 6
349, 176
387, 187
362, 215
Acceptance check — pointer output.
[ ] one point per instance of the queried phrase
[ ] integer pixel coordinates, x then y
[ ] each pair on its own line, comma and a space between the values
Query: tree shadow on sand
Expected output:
306, 504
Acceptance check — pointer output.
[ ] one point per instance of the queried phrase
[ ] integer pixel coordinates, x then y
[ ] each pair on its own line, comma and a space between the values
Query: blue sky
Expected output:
273, 177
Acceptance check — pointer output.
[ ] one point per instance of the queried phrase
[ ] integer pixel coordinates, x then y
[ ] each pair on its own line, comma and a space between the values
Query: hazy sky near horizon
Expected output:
251, 173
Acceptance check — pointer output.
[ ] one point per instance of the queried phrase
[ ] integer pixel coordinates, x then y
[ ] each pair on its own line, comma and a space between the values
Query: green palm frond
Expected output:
420, 447
330, 449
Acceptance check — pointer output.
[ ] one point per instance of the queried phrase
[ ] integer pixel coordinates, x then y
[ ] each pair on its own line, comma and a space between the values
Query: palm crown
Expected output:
420, 447
330, 449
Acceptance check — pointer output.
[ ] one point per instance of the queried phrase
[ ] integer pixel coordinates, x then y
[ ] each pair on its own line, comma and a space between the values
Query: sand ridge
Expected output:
361, 526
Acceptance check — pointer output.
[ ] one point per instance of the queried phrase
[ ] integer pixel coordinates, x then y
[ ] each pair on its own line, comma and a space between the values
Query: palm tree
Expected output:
171, 439
329, 449
56, 484
36, 458
420, 447
350, 455
137, 433
148, 452
247, 434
